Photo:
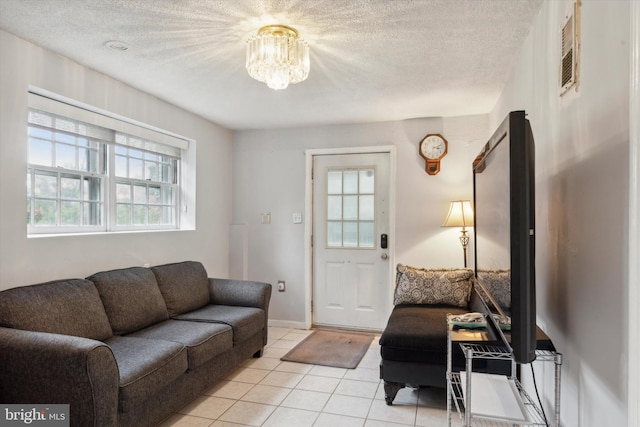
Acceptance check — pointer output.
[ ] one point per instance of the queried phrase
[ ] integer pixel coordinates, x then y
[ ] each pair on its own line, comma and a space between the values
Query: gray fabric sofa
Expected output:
127, 347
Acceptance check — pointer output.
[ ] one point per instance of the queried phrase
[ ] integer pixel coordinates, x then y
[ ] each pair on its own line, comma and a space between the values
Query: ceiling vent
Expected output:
569, 63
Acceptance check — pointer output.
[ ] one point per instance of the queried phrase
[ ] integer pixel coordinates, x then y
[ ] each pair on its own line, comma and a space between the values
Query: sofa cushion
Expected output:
69, 307
498, 284
433, 286
417, 333
145, 367
131, 298
184, 286
245, 321
202, 340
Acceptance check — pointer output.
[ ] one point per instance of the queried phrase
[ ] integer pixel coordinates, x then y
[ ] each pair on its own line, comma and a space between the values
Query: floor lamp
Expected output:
460, 215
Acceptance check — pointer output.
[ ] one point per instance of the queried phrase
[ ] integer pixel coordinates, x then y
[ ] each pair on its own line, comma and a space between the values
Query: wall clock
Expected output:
433, 148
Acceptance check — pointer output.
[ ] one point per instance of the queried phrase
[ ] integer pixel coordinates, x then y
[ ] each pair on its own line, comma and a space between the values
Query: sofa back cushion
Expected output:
69, 307
184, 286
131, 298
433, 286
498, 284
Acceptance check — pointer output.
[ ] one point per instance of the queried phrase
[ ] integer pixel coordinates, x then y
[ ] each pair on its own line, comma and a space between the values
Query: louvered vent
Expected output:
570, 50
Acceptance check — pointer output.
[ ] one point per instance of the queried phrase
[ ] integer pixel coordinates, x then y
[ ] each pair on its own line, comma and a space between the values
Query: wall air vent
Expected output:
569, 63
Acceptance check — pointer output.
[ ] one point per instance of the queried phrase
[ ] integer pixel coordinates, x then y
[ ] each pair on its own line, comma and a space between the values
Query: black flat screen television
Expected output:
504, 238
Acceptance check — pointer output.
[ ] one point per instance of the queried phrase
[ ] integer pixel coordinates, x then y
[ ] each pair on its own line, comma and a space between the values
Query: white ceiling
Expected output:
371, 60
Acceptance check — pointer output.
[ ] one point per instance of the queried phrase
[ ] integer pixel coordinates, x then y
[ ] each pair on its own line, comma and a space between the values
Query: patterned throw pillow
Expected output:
432, 286
498, 284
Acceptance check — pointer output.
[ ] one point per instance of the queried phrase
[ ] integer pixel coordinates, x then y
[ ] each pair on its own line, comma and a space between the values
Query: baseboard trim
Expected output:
287, 324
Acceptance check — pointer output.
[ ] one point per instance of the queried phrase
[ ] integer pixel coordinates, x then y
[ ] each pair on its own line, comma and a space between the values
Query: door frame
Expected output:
308, 209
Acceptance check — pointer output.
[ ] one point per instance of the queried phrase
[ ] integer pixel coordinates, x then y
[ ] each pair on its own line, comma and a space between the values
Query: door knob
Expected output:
384, 256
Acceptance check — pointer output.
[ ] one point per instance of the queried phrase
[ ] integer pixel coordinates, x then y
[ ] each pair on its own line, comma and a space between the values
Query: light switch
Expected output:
297, 217
266, 218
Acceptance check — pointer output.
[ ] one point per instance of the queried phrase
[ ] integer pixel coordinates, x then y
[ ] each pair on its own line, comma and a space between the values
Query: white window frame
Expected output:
143, 138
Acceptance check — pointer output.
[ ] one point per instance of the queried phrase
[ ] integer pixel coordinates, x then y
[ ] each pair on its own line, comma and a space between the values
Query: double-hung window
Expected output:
88, 172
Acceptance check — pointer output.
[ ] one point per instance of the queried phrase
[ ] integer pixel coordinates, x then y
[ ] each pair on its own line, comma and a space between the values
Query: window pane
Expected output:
167, 175
366, 181
70, 187
155, 215
66, 138
151, 156
45, 212
70, 213
140, 194
367, 237
135, 153
155, 195
168, 213
334, 182
334, 234
123, 192
40, 152
350, 208
350, 234
139, 215
46, 185
366, 208
123, 214
91, 189
65, 156
88, 160
121, 166
350, 182
92, 213
167, 196
151, 171
334, 208
135, 169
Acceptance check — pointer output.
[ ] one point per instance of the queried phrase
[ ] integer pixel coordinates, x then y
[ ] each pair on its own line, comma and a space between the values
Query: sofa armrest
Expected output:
242, 293
41, 368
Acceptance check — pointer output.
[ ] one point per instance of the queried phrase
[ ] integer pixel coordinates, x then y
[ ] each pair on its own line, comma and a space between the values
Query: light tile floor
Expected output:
271, 393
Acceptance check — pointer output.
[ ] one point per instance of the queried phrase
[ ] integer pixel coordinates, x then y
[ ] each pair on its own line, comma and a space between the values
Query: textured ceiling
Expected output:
371, 60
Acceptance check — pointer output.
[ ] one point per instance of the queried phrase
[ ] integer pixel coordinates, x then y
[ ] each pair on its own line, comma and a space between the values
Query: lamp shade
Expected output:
460, 214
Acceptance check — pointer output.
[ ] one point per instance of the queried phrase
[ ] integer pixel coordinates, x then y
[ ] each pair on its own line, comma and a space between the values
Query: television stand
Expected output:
512, 406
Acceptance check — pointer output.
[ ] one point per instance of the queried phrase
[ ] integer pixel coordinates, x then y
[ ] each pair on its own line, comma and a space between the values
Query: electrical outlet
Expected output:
280, 285
297, 217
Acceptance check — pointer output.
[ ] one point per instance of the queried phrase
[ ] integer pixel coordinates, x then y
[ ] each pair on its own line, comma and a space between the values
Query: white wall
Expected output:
24, 261
582, 148
269, 176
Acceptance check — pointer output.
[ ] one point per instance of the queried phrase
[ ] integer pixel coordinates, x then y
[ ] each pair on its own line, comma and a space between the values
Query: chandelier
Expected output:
277, 56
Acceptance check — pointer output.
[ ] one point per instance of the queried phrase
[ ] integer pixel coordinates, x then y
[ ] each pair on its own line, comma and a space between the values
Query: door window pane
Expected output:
366, 235
350, 182
366, 208
334, 234
334, 208
350, 238
334, 182
351, 208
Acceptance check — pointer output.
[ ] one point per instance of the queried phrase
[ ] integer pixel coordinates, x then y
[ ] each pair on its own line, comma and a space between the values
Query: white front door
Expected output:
351, 223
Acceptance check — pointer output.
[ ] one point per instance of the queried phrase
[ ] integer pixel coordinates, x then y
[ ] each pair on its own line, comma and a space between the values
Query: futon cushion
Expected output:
416, 333
498, 284
145, 367
69, 307
245, 321
202, 340
433, 286
131, 298
184, 286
